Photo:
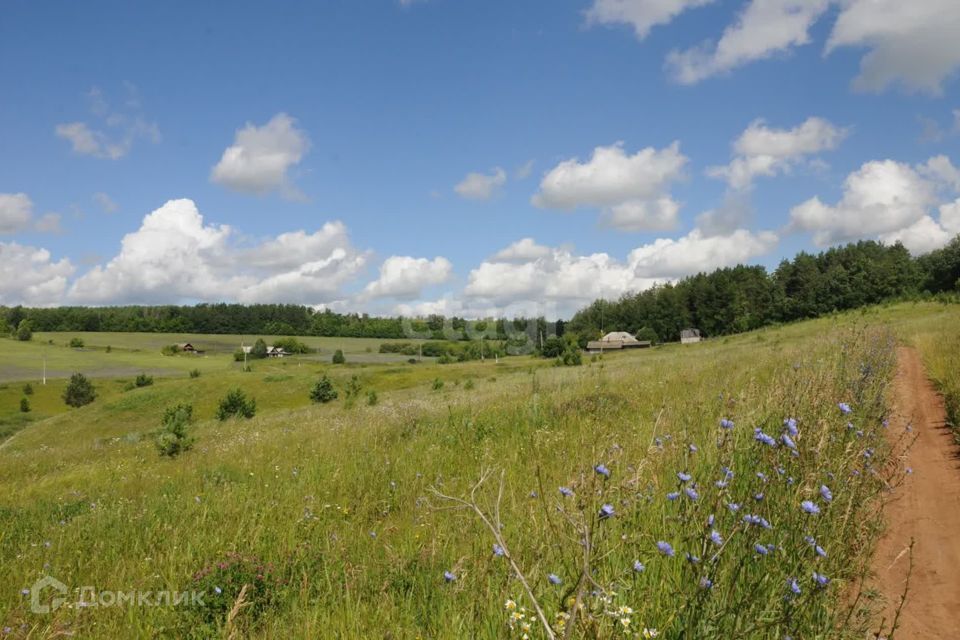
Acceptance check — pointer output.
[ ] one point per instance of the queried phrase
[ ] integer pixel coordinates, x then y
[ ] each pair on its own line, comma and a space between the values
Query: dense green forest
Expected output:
725, 301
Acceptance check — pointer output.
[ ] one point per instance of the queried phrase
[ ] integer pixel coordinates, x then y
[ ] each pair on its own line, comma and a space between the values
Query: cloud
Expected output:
405, 277
259, 159
523, 171
29, 276
885, 200
632, 191
16, 210
642, 15
106, 202
733, 213
912, 44
479, 186
49, 223
526, 274
764, 151
117, 130
175, 256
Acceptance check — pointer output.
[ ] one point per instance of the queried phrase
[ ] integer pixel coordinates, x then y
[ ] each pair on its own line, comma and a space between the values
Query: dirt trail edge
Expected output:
926, 508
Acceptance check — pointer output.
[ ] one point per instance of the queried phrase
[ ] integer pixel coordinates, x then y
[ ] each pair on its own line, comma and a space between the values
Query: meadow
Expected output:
725, 489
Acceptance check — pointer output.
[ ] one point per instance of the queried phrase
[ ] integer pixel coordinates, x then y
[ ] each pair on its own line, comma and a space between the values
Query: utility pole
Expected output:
44, 367
481, 348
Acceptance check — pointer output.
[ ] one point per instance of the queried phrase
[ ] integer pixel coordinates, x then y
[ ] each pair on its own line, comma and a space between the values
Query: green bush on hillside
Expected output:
76, 343
236, 403
173, 439
79, 391
323, 391
338, 357
24, 331
24, 405
143, 380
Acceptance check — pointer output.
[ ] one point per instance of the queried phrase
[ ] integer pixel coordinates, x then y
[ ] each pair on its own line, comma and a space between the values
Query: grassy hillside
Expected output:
335, 514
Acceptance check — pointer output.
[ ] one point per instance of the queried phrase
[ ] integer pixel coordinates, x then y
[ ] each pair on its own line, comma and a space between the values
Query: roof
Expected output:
690, 333
618, 336
604, 344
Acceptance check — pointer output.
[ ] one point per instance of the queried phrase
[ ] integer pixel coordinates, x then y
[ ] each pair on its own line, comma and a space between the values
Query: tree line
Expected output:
741, 298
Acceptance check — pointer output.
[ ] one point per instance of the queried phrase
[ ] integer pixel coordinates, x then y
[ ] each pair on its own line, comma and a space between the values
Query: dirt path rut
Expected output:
926, 508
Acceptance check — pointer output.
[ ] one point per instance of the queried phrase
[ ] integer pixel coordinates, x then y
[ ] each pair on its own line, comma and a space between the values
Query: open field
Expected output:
335, 513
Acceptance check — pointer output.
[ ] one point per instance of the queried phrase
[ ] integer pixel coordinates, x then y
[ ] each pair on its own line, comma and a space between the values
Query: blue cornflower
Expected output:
809, 507
751, 519
658, 442
790, 424
721, 484
810, 540
820, 551
762, 476
684, 477
794, 586
716, 538
554, 579
733, 506
638, 566
710, 520
820, 579
565, 491
758, 496
726, 423
449, 576
788, 441
825, 493
760, 549
760, 436
693, 448
602, 470
665, 549
692, 559
606, 511
498, 551
691, 493
844, 408
765, 524
706, 583
673, 495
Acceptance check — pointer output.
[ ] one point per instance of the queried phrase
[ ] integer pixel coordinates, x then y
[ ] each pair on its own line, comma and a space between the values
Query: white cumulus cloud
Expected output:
481, 186
632, 191
115, 131
28, 275
260, 158
16, 210
405, 277
642, 15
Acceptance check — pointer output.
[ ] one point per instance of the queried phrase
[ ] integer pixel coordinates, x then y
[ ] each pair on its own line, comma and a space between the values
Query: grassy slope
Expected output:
338, 499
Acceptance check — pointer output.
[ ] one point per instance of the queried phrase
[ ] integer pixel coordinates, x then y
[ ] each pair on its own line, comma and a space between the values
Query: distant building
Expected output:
276, 352
186, 347
616, 340
689, 336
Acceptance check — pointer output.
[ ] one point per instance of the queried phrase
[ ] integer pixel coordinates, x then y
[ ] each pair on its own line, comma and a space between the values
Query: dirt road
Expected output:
926, 508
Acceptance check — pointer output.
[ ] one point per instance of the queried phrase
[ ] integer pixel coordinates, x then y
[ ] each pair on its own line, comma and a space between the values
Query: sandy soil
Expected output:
926, 508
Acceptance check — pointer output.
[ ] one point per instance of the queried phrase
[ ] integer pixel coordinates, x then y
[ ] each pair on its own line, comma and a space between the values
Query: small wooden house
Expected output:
689, 336
615, 341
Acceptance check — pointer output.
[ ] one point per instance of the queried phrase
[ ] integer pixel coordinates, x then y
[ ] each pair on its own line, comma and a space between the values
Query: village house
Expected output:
616, 340
689, 336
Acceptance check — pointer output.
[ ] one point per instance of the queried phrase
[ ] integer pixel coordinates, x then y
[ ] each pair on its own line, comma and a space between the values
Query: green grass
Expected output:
341, 503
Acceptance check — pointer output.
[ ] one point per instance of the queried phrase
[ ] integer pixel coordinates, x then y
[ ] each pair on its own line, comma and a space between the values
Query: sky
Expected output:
465, 157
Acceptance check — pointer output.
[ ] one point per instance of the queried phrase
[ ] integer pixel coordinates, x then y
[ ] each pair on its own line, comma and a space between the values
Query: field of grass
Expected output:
354, 520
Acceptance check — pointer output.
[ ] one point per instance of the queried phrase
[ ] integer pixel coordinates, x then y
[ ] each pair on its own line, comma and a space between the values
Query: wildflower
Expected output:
564, 491
793, 586
758, 496
510, 605
727, 472
820, 579
693, 448
765, 524
710, 520
684, 477
673, 495
810, 540
25, 592
788, 441
809, 507
449, 576
638, 566
706, 583
602, 470
733, 507
650, 633
909, 470
820, 551
665, 549
625, 610
760, 436
825, 493
554, 578
844, 408
498, 551
721, 484
625, 622
692, 559
726, 423
790, 424
762, 476
533, 494
217, 590
691, 493
606, 511
760, 549
716, 538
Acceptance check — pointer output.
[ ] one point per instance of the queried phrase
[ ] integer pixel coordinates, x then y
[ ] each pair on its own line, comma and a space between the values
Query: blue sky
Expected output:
336, 141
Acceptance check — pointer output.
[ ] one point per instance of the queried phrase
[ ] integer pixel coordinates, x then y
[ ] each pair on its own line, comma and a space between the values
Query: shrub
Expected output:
143, 380
238, 355
569, 358
412, 361
469, 384
259, 350
236, 403
437, 384
28, 389
108, 349
170, 350
338, 357
351, 391
79, 391
221, 584
323, 391
173, 439
24, 331
372, 398
646, 333
76, 343
24, 405
291, 345
194, 373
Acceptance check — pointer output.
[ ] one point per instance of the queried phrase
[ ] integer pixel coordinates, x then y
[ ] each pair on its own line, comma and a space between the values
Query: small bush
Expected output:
437, 384
351, 391
170, 350
372, 398
412, 361
28, 389
338, 357
221, 584
173, 439
323, 391
469, 384
259, 350
24, 331
108, 349
79, 391
24, 405
236, 403
291, 345
194, 373
76, 343
143, 380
